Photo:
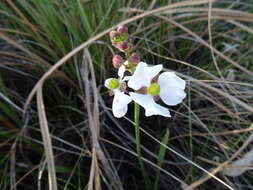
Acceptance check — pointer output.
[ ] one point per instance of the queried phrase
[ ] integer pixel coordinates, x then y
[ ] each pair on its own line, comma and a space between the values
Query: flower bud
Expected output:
134, 58
113, 35
122, 29
123, 46
117, 61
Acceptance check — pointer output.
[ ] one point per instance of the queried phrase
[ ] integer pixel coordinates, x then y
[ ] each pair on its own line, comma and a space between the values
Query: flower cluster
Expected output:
147, 85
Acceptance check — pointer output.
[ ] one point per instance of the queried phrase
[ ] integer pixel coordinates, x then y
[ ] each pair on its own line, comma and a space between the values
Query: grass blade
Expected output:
46, 141
161, 156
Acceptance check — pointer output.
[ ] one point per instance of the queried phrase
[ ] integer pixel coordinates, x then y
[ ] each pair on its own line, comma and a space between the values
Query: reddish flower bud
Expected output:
123, 46
117, 61
122, 29
113, 34
134, 58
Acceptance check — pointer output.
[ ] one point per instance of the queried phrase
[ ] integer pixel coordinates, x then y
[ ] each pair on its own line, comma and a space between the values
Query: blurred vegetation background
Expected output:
208, 43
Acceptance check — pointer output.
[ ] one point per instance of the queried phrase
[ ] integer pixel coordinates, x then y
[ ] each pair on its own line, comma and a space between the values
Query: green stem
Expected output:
138, 143
127, 54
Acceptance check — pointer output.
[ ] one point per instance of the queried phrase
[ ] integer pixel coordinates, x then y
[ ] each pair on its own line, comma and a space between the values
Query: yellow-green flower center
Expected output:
114, 83
154, 89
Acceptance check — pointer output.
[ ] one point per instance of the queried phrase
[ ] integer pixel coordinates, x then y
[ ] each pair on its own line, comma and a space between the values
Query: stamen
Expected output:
155, 79
156, 98
123, 87
142, 90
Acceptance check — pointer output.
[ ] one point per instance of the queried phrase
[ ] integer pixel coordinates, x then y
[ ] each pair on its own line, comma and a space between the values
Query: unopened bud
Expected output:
117, 61
122, 29
134, 58
123, 46
113, 35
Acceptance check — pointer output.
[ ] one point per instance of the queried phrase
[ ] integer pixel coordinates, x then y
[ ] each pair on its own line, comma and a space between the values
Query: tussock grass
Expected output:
68, 138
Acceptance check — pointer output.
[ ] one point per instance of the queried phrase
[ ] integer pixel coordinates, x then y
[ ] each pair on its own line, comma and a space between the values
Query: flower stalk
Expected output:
138, 143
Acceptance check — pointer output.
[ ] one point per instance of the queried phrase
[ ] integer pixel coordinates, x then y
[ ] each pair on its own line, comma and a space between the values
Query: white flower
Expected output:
168, 86
120, 100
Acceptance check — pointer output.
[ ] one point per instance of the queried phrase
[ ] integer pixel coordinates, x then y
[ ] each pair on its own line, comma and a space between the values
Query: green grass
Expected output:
161, 158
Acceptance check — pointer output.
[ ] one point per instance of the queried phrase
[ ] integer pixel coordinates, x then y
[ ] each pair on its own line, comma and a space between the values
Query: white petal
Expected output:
143, 75
126, 78
138, 79
171, 88
107, 82
151, 108
153, 71
121, 71
119, 104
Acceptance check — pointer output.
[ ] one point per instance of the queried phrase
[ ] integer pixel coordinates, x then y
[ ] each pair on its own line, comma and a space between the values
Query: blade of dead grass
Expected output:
46, 140
94, 171
7, 30
245, 28
211, 39
217, 13
232, 132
